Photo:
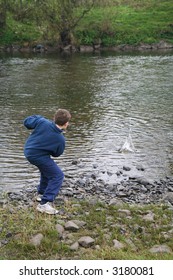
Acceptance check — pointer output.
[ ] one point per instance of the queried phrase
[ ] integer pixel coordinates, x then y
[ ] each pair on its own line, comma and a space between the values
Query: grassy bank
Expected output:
137, 228
122, 22
128, 22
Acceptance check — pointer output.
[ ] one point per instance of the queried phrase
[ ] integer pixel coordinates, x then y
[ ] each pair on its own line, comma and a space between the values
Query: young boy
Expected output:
45, 141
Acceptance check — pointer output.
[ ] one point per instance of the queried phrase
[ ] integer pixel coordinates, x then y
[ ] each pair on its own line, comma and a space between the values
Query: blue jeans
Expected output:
51, 178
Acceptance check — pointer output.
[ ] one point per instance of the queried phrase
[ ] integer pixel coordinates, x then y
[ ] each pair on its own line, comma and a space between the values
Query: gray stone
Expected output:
168, 197
36, 239
140, 167
124, 212
116, 201
74, 246
149, 217
144, 181
79, 223
86, 241
160, 249
131, 244
70, 225
126, 168
97, 247
60, 229
118, 245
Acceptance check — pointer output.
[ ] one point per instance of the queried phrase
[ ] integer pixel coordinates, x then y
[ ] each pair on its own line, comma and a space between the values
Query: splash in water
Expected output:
128, 146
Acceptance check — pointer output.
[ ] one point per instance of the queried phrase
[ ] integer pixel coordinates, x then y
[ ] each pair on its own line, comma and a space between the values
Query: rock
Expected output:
79, 223
122, 194
149, 217
118, 173
131, 244
2, 202
84, 48
86, 241
164, 45
68, 238
93, 176
67, 192
160, 249
116, 201
36, 239
126, 168
118, 245
97, 247
109, 173
74, 246
168, 197
140, 168
138, 229
124, 212
81, 182
92, 201
9, 234
60, 229
75, 162
3, 242
70, 225
144, 181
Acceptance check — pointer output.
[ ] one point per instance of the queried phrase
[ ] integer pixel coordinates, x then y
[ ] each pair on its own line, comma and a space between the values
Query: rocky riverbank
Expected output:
126, 188
48, 48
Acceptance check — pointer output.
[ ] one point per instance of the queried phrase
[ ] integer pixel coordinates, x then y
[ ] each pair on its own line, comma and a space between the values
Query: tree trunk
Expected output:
2, 16
65, 37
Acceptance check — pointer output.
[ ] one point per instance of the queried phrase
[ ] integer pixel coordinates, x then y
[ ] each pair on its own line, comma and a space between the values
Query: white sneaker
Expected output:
47, 208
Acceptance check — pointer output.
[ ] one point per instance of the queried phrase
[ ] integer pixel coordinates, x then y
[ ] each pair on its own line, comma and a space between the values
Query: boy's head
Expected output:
62, 117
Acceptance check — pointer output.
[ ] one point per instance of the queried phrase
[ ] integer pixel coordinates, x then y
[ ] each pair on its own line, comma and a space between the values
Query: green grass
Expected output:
130, 22
122, 22
103, 223
17, 32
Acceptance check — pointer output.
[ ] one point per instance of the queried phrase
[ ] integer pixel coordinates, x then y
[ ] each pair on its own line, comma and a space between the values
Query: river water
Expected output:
107, 94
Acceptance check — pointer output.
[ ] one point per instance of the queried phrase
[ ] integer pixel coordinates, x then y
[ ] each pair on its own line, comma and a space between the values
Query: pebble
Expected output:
118, 245
74, 246
149, 217
86, 241
124, 212
36, 239
70, 225
60, 229
160, 249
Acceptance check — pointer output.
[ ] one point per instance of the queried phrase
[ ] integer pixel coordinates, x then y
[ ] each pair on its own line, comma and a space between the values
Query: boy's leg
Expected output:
43, 184
55, 176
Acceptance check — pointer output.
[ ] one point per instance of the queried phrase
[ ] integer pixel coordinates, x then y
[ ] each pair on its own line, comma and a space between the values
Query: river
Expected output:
108, 95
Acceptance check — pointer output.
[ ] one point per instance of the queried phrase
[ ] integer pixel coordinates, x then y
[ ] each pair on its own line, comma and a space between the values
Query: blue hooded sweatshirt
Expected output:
45, 140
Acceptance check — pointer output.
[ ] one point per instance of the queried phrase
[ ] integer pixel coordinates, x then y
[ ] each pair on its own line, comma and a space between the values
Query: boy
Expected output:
45, 141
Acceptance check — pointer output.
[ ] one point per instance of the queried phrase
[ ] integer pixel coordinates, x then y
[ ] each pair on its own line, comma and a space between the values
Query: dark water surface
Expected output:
107, 95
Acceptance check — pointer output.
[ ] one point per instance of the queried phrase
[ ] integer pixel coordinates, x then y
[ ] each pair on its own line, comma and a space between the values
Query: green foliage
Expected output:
17, 31
131, 22
113, 22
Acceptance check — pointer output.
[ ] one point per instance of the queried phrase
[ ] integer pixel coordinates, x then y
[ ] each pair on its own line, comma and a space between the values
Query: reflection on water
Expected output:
106, 94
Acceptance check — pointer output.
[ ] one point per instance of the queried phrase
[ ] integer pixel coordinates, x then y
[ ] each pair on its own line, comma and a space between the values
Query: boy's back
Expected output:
46, 138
